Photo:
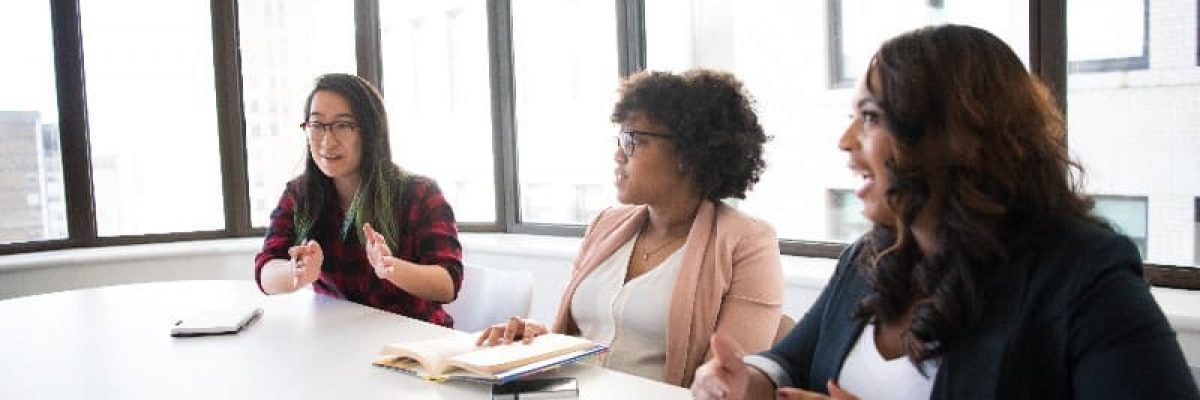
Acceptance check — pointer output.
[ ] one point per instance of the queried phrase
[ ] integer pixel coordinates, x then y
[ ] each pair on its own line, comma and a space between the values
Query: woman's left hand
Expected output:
835, 392
378, 253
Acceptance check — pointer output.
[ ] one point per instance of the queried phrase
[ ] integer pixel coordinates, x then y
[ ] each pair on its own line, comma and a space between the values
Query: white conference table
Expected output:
114, 342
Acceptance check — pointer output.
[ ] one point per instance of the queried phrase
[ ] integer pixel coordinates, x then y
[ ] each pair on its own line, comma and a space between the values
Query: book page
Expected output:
453, 370
490, 360
432, 354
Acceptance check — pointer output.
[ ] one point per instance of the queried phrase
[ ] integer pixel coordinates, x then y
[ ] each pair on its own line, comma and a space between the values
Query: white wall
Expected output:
52, 271
548, 258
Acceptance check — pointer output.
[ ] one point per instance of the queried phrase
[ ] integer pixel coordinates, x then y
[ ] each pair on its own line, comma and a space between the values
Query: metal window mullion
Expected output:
230, 117
504, 141
631, 36
367, 41
1048, 46
73, 121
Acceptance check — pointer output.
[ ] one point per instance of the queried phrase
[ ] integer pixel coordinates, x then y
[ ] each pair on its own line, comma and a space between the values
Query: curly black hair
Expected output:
711, 116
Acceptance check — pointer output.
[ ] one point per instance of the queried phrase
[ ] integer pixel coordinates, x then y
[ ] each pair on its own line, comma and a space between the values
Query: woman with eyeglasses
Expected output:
353, 224
985, 275
656, 277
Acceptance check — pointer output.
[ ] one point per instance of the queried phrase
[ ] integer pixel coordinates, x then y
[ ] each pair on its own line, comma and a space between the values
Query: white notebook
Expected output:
215, 321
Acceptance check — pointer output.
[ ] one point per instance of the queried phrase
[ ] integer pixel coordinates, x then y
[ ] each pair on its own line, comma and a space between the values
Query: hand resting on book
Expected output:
515, 328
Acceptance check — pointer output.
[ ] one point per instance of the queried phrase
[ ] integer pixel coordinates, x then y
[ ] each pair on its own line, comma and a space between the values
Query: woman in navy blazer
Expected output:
985, 271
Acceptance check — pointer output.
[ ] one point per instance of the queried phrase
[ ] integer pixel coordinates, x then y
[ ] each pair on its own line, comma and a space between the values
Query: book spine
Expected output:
546, 365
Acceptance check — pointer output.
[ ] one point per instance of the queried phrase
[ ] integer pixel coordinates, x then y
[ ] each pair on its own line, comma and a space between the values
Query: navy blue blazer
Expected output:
1069, 317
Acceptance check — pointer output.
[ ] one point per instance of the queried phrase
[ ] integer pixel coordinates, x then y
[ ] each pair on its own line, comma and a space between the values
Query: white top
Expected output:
868, 375
630, 317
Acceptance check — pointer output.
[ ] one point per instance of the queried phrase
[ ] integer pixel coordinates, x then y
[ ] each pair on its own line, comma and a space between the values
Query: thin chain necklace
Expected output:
646, 254
646, 223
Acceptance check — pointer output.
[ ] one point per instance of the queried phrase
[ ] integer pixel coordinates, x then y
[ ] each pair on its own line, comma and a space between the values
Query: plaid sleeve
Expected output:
280, 235
434, 230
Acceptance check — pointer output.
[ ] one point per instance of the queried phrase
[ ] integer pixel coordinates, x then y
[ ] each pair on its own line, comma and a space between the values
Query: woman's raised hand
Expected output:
724, 376
515, 328
307, 259
377, 252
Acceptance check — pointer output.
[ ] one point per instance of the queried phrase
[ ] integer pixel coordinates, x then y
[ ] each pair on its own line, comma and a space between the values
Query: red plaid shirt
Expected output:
431, 238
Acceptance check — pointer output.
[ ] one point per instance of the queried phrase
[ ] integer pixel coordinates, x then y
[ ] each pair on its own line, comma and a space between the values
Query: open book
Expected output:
457, 357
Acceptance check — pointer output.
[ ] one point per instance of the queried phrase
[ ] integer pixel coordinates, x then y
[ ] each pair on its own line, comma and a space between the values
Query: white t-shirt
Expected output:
868, 375
631, 318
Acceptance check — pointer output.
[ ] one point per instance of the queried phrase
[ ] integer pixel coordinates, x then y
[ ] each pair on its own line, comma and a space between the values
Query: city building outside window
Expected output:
1133, 74
32, 201
566, 77
1136, 130
846, 222
152, 116
1126, 214
805, 192
1117, 32
283, 51
438, 94
858, 27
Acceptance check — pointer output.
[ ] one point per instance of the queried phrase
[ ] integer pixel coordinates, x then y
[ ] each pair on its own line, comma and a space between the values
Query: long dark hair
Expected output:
968, 120
381, 180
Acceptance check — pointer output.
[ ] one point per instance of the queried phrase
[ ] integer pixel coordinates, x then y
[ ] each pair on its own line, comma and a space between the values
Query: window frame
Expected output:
1047, 36
837, 81
833, 196
1145, 200
833, 9
1120, 63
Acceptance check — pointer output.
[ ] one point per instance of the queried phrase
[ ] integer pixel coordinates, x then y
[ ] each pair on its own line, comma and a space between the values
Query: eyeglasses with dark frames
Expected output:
627, 141
339, 128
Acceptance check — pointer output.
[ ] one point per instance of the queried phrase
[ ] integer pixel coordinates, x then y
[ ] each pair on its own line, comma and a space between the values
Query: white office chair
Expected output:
489, 296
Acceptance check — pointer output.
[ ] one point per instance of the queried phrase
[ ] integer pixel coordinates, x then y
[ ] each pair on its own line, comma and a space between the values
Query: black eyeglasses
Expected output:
339, 128
627, 141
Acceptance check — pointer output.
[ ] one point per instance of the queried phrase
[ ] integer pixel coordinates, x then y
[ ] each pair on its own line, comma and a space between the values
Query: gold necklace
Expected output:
646, 254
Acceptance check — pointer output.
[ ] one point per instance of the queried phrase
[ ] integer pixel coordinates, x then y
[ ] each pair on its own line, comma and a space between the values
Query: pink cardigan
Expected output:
730, 281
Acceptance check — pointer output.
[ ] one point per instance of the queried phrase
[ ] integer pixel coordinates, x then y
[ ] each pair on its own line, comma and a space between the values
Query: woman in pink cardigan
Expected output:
655, 278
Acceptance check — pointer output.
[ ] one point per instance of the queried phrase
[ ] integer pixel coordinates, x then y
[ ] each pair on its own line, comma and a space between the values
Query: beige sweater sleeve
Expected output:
751, 308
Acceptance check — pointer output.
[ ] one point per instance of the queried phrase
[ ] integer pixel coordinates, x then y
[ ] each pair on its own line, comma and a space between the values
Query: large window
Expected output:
858, 27
566, 75
803, 192
436, 82
180, 121
1135, 131
285, 45
32, 200
150, 98
845, 222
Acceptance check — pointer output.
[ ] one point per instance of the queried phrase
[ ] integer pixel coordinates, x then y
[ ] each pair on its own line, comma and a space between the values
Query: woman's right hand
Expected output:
724, 376
515, 328
307, 258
